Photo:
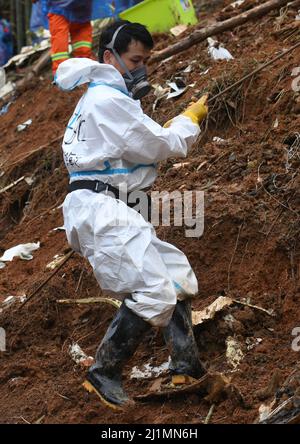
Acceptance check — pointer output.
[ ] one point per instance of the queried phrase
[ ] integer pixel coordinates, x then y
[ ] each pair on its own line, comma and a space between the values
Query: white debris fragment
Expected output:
216, 51
253, 342
57, 260
179, 29
234, 352
219, 140
230, 320
12, 300
188, 69
29, 180
62, 228
177, 90
295, 71
78, 355
180, 165
24, 125
298, 16
159, 93
198, 317
57, 208
237, 3
8, 88
2, 78
265, 410
276, 123
204, 72
26, 52
23, 251
147, 371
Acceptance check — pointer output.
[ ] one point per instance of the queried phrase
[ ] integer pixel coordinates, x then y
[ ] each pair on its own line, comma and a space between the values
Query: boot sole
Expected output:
91, 389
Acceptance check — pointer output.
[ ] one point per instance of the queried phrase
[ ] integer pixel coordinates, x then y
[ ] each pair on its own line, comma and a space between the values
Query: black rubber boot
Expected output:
180, 339
119, 343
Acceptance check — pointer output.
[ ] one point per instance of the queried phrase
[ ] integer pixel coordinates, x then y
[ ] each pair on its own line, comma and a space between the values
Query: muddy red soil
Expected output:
249, 248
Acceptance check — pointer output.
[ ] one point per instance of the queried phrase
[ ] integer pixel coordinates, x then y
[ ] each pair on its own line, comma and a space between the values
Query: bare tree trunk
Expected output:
202, 34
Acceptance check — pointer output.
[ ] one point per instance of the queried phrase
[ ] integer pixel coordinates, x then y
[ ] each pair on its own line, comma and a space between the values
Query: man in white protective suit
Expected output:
110, 143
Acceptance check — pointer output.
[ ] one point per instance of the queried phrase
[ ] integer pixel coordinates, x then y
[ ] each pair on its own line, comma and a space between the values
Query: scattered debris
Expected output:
234, 352
57, 260
219, 140
7, 89
189, 68
178, 89
159, 93
216, 51
202, 34
180, 165
29, 180
198, 317
2, 78
27, 52
252, 342
24, 125
230, 320
237, 3
5, 108
62, 228
205, 72
78, 355
10, 300
147, 371
210, 387
179, 29
23, 251
265, 410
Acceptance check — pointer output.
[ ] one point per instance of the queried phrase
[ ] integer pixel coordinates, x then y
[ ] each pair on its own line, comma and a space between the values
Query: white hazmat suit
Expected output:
110, 139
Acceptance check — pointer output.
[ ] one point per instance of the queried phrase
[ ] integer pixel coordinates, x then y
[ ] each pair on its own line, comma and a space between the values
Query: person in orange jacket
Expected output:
69, 20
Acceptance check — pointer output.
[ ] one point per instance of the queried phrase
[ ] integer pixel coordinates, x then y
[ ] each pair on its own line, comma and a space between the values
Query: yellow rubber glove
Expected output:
168, 123
197, 111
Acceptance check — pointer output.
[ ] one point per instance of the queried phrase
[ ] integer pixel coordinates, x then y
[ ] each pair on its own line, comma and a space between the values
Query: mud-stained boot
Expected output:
119, 343
180, 339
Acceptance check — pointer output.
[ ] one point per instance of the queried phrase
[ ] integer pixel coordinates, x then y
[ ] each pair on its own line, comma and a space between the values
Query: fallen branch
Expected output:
209, 415
8, 187
202, 34
251, 74
46, 145
111, 301
256, 307
69, 255
222, 302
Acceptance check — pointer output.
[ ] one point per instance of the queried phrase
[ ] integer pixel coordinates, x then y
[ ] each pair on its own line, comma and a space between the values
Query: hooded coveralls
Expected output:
110, 139
69, 17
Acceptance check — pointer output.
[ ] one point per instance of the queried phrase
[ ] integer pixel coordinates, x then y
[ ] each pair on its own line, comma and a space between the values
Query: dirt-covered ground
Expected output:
249, 249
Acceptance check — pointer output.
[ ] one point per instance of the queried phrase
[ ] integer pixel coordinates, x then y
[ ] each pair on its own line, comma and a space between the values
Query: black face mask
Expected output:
136, 80
137, 83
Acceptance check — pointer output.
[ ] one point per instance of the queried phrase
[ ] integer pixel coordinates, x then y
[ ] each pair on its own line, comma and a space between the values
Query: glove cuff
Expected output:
191, 116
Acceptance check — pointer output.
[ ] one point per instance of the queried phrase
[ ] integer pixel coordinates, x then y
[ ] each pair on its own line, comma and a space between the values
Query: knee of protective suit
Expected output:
156, 311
